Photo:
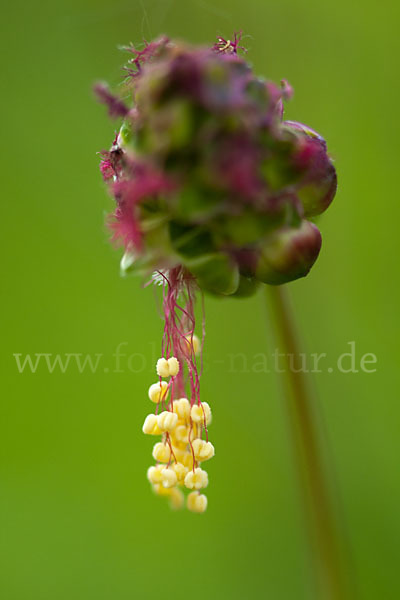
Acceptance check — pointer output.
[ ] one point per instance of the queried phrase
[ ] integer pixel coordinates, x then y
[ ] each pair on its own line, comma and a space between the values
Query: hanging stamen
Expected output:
182, 419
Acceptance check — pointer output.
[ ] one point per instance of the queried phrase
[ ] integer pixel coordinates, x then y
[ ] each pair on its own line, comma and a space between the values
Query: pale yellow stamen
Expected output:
160, 490
173, 365
182, 408
201, 412
150, 425
181, 434
167, 420
203, 450
194, 343
197, 502
197, 479
180, 471
177, 499
167, 368
162, 367
161, 452
154, 473
168, 478
158, 391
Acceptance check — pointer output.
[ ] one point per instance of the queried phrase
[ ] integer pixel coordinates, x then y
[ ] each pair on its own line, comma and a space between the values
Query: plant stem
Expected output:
323, 530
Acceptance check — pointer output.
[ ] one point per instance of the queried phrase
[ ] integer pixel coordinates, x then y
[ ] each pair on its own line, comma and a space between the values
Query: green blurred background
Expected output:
78, 519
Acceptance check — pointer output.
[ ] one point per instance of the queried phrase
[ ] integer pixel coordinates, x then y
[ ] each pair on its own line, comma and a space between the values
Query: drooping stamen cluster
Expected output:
181, 419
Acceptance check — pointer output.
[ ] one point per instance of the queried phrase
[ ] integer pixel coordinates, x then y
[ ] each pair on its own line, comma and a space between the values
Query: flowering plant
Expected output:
213, 190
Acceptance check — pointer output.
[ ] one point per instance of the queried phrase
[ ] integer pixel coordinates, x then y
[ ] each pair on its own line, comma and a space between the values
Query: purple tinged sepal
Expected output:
288, 254
116, 107
317, 186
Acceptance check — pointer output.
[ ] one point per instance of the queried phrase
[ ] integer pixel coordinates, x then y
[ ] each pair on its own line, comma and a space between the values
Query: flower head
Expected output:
213, 191
205, 173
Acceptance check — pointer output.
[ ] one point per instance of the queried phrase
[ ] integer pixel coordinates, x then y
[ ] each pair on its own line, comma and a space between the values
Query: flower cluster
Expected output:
182, 449
207, 175
214, 191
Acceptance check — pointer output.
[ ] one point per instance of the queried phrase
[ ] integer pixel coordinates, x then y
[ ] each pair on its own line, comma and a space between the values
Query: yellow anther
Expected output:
194, 342
183, 456
167, 368
180, 471
161, 452
154, 473
203, 450
197, 413
162, 367
187, 460
177, 499
160, 490
207, 411
179, 446
158, 391
181, 434
201, 411
168, 477
178, 451
173, 365
197, 479
150, 425
182, 408
193, 431
167, 420
196, 502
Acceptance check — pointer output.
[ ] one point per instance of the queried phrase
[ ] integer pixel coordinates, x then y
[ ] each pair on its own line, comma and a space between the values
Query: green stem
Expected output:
326, 542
